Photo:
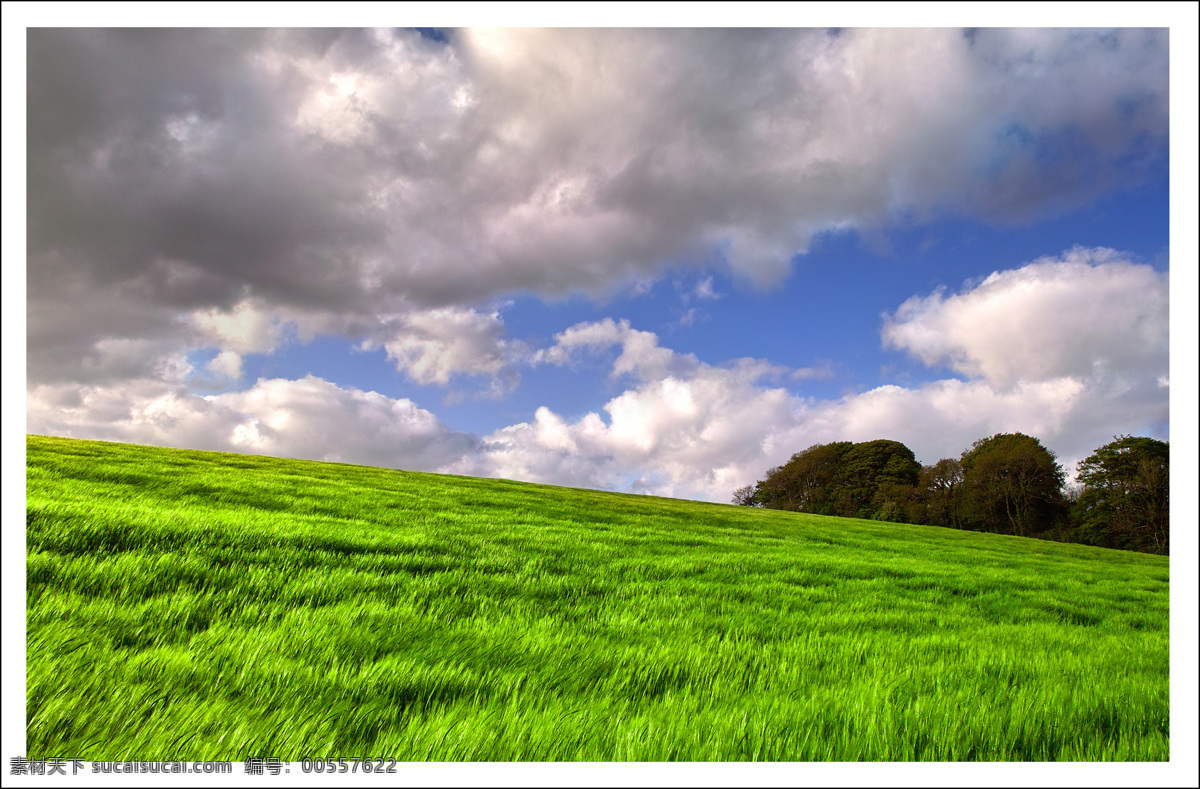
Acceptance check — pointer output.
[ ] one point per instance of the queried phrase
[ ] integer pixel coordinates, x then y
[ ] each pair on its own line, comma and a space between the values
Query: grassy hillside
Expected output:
197, 605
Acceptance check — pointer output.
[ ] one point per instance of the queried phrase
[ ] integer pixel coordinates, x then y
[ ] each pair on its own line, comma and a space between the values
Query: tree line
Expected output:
1006, 484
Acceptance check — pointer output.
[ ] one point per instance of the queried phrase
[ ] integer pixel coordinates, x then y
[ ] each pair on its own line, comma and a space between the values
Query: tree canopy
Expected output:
1014, 484
843, 478
1126, 495
807, 482
942, 486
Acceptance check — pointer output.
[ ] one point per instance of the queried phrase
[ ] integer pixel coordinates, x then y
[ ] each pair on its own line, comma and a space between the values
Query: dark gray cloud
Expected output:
354, 176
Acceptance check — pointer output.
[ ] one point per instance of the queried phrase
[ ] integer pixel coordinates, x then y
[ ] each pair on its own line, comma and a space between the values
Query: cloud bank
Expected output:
1061, 348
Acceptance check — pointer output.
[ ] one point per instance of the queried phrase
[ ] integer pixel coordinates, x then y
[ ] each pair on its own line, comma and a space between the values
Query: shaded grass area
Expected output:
198, 605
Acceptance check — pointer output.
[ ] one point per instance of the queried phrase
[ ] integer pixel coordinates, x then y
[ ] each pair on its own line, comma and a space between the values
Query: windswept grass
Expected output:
196, 605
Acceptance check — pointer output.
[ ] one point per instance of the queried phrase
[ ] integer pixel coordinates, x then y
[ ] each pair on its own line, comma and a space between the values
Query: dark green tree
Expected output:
744, 496
942, 491
1125, 496
872, 479
877, 480
807, 482
1013, 485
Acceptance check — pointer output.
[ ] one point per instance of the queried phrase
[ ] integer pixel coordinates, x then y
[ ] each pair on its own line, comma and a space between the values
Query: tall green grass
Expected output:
197, 605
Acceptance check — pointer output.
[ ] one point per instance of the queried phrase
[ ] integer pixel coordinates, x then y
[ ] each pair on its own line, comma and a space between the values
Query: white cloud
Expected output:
143, 411
690, 436
227, 364
307, 418
432, 346
247, 328
689, 318
704, 290
822, 372
315, 418
641, 355
1089, 313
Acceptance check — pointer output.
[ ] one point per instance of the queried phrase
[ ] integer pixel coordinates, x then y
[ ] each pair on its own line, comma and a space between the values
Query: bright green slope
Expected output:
195, 605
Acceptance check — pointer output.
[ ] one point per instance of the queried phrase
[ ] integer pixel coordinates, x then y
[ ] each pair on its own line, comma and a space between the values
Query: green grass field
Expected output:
197, 605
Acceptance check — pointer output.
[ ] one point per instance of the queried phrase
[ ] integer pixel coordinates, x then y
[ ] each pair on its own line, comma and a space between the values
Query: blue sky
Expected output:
650, 260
